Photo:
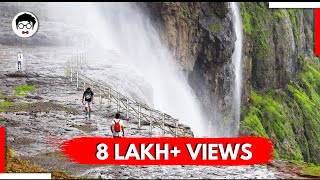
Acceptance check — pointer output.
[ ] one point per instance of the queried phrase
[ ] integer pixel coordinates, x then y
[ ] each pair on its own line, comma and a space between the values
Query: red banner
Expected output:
2, 150
317, 32
169, 151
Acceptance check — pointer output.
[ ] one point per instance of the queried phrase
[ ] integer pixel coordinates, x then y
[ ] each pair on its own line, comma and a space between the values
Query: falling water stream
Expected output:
133, 60
236, 61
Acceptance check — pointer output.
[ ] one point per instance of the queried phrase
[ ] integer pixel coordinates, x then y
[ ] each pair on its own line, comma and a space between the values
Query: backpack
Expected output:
117, 126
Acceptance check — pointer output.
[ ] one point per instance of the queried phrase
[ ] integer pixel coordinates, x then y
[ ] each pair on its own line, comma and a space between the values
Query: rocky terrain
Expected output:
38, 123
280, 98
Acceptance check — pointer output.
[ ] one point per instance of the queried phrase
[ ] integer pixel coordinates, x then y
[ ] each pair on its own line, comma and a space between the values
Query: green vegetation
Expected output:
186, 12
4, 105
267, 117
294, 15
194, 14
316, 65
251, 124
290, 117
255, 18
246, 19
21, 89
19, 93
266, 29
15, 165
25, 88
8, 105
311, 171
56, 155
306, 169
8, 102
256, 22
250, 64
214, 28
310, 34
183, 12
6, 97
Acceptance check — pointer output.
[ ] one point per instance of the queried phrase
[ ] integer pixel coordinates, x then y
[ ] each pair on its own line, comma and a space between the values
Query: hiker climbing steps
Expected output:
134, 111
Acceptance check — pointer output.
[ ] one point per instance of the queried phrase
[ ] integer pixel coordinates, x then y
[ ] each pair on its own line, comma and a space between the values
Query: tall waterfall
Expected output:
124, 30
237, 63
136, 63
140, 44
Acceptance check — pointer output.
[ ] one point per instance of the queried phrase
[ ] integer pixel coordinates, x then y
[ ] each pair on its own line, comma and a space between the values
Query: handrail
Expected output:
138, 110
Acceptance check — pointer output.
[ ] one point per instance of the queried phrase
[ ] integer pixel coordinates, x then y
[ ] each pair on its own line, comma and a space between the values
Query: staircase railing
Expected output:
133, 110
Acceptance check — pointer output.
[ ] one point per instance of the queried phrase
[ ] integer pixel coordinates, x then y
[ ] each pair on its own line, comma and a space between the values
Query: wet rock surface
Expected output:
54, 113
178, 172
21, 74
201, 37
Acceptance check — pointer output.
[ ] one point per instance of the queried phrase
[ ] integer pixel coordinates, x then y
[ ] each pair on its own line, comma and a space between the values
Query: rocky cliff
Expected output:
281, 91
201, 37
280, 97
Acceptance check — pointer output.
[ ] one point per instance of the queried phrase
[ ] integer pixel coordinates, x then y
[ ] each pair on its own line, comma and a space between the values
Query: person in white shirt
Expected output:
20, 59
117, 127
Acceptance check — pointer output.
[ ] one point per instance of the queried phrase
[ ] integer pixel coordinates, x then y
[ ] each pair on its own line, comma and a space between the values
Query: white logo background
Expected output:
25, 29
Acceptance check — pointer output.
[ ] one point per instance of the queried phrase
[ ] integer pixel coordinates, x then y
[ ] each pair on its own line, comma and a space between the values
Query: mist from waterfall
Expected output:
237, 63
124, 30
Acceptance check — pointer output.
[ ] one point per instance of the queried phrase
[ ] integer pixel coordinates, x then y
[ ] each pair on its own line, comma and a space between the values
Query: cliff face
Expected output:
201, 37
279, 88
274, 38
282, 80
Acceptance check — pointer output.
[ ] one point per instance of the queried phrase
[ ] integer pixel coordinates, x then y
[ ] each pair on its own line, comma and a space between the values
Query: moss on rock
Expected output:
16, 165
214, 28
20, 90
290, 117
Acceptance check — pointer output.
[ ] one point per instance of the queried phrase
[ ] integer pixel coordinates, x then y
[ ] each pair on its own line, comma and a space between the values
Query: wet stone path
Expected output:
41, 121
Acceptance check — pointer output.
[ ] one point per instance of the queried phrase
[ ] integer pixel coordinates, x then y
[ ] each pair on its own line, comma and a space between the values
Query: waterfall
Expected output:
139, 61
141, 47
237, 63
136, 63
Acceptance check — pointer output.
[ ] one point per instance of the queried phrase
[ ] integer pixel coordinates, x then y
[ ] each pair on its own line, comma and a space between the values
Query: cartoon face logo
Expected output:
25, 24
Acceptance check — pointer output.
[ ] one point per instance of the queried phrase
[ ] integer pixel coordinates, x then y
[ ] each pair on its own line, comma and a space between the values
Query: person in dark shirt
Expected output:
87, 100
